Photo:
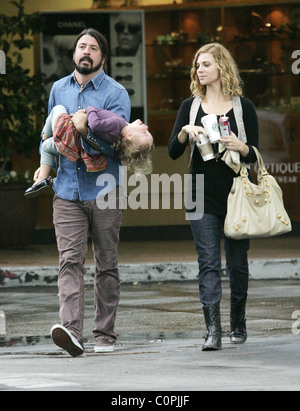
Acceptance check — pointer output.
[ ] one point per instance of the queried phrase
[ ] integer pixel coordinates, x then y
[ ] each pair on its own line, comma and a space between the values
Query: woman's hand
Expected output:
233, 143
193, 131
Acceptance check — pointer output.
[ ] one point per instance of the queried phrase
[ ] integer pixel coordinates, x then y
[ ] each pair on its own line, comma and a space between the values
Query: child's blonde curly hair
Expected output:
135, 157
229, 74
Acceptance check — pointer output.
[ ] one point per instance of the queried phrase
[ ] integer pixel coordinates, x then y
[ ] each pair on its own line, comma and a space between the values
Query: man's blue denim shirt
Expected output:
72, 181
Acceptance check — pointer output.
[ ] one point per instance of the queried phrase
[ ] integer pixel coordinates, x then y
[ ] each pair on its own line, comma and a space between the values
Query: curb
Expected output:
278, 269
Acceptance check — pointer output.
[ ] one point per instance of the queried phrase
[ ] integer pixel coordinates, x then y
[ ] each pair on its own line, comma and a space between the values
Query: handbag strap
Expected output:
261, 168
193, 114
238, 114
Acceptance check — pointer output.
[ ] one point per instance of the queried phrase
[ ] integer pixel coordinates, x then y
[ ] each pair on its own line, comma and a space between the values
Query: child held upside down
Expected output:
132, 143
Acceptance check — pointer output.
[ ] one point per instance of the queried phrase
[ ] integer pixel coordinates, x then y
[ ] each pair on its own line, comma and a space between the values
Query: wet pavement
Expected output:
160, 330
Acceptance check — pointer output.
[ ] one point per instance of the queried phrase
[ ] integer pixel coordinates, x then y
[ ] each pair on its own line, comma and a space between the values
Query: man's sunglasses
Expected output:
131, 27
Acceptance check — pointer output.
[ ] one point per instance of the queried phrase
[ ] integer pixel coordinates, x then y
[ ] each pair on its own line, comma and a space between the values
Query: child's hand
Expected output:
36, 174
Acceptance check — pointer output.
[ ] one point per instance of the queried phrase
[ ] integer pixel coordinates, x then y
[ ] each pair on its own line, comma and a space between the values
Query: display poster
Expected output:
124, 31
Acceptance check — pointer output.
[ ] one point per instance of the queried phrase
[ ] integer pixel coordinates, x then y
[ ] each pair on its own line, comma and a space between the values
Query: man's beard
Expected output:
87, 70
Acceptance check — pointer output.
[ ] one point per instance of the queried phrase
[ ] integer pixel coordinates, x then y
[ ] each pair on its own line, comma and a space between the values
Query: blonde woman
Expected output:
216, 81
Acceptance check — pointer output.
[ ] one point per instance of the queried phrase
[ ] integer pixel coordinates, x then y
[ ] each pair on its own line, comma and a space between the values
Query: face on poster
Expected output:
124, 31
127, 53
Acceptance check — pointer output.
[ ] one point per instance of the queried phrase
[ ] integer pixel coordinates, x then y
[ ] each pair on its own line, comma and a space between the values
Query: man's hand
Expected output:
80, 122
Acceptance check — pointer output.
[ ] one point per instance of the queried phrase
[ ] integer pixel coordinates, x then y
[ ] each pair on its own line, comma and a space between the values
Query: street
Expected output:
161, 330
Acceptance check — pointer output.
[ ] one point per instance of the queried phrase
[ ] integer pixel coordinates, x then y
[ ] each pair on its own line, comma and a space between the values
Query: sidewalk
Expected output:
161, 330
160, 326
146, 261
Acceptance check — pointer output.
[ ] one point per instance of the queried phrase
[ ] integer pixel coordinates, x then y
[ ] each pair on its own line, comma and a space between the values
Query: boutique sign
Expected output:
284, 172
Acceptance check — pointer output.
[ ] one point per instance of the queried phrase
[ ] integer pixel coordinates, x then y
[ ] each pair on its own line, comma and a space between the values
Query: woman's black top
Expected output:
218, 176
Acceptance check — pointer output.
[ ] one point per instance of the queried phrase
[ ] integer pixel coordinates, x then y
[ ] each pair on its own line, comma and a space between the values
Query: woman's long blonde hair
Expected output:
230, 79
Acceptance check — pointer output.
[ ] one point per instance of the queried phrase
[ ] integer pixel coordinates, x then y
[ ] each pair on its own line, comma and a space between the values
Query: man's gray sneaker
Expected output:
104, 344
64, 339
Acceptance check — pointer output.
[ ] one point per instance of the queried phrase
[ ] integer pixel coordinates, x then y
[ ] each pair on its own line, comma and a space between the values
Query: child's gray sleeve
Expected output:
49, 152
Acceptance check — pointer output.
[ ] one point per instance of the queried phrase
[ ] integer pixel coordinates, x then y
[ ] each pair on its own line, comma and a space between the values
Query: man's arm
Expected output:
90, 142
120, 104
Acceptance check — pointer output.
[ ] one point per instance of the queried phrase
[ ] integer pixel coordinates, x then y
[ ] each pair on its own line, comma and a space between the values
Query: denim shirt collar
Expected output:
96, 80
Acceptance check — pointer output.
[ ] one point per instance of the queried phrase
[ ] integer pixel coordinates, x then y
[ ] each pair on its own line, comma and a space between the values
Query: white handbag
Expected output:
255, 211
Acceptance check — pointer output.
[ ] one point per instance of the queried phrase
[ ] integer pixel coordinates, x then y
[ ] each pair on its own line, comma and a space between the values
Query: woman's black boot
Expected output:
213, 339
238, 333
